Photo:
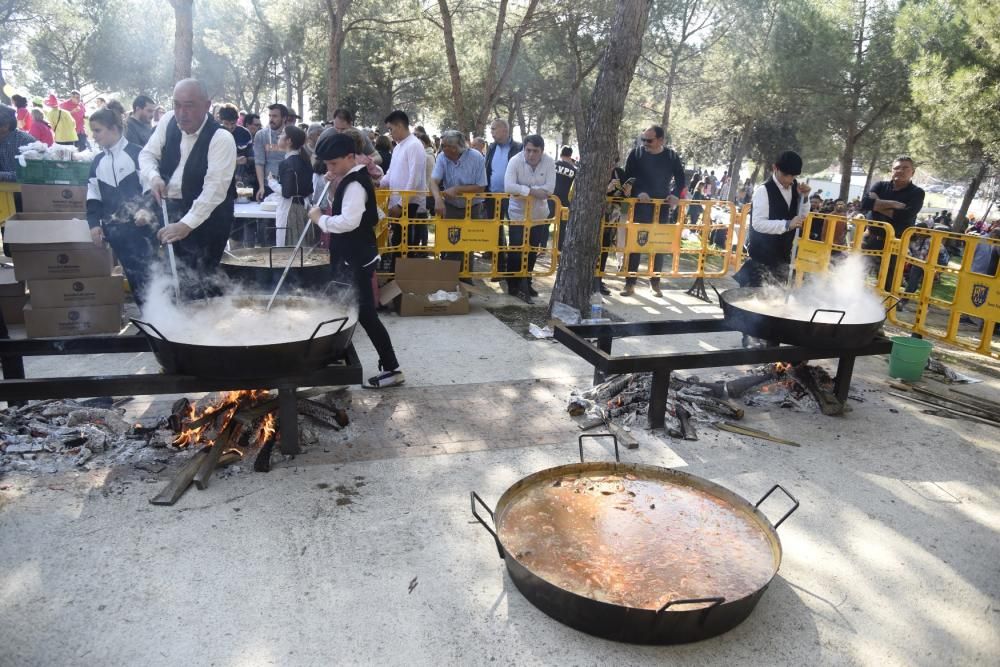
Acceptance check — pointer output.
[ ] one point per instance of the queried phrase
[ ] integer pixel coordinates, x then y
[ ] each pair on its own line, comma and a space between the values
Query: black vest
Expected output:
356, 247
193, 179
774, 250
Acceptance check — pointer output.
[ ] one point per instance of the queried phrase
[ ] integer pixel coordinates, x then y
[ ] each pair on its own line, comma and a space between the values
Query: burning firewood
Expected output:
174, 489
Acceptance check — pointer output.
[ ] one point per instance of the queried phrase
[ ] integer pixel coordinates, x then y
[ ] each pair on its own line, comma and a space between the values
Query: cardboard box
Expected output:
45, 322
53, 198
76, 292
12, 296
27, 232
417, 278
86, 262
12, 308
9, 284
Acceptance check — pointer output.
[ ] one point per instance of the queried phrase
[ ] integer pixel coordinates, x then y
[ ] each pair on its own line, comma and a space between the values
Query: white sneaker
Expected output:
386, 379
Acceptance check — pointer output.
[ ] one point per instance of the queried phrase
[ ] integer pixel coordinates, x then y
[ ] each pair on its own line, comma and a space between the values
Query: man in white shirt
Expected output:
189, 161
531, 177
780, 207
407, 171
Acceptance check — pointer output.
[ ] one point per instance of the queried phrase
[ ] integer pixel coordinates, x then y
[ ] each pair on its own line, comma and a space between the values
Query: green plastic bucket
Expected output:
909, 357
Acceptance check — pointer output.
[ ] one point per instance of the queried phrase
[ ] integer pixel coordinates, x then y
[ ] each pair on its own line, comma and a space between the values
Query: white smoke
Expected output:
238, 317
844, 287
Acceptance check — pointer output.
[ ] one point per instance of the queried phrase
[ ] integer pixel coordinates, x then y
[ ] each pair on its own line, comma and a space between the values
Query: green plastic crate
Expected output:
53, 172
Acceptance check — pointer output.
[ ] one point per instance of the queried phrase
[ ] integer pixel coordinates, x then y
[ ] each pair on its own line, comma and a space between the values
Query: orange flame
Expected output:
230, 401
267, 428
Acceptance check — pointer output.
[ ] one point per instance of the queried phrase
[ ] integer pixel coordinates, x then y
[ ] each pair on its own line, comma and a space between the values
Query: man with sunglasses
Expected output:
659, 174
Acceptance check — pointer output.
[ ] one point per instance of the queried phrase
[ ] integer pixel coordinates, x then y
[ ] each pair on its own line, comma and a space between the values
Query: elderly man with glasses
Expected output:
457, 171
659, 174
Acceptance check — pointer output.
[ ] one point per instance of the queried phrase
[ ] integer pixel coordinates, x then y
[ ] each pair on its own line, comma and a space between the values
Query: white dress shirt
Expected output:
218, 177
407, 171
521, 177
761, 208
351, 210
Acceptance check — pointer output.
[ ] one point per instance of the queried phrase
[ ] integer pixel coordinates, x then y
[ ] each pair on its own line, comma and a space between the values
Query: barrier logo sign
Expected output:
62, 258
73, 316
979, 294
454, 235
77, 286
642, 238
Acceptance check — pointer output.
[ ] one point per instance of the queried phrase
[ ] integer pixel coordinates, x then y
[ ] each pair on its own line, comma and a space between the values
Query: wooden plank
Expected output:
754, 433
941, 406
176, 487
625, 438
222, 443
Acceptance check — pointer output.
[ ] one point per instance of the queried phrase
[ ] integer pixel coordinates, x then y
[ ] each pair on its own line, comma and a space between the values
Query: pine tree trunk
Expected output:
736, 163
871, 166
960, 221
494, 84
335, 10
668, 101
453, 71
183, 38
846, 165
599, 143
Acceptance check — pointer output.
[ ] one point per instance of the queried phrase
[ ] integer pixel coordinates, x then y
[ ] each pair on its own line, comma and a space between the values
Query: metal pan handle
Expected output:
785, 491
716, 601
896, 303
342, 320
139, 324
618, 458
270, 255
474, 498
843, 314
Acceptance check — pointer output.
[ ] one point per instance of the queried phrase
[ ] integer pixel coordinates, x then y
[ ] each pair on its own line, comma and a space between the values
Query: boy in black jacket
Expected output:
353, 251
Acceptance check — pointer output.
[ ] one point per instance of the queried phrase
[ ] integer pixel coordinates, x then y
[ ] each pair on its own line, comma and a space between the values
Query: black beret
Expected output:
790, 163
334, 146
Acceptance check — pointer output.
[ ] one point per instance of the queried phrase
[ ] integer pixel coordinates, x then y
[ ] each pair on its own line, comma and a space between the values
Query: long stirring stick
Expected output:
170, 253
291, 258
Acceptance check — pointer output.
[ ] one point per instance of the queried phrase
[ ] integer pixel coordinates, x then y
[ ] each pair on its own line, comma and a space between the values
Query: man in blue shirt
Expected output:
457, 171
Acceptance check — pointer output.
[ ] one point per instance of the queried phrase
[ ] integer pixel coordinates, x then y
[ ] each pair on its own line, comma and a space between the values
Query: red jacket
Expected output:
77, 111
24, 119
40, 130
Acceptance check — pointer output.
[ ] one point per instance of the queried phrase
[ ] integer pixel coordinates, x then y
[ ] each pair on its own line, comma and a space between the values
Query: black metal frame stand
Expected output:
577, 338
16, 388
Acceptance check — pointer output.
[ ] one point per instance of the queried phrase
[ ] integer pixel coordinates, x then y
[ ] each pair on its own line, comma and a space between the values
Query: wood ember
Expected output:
58, 435
623, 399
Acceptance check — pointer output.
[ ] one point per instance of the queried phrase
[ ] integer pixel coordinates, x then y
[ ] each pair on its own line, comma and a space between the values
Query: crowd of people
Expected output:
276, 154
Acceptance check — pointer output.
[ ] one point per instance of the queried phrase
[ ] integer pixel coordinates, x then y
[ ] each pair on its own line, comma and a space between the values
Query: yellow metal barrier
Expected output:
488, 246
738, 250
7, 191
942, 294
697, 246
825, 236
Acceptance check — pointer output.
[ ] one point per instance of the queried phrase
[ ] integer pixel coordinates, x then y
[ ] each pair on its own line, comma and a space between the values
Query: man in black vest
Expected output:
353, 251
780, 207
190, 161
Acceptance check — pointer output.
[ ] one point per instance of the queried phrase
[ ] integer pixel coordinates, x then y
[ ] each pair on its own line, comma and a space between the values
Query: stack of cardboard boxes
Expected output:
70, 287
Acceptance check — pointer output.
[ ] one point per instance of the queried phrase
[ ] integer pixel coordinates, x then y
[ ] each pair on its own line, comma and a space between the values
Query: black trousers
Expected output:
362, 277
875, 240
415, 235
199, 254
538, 237
135, 247
644, 215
